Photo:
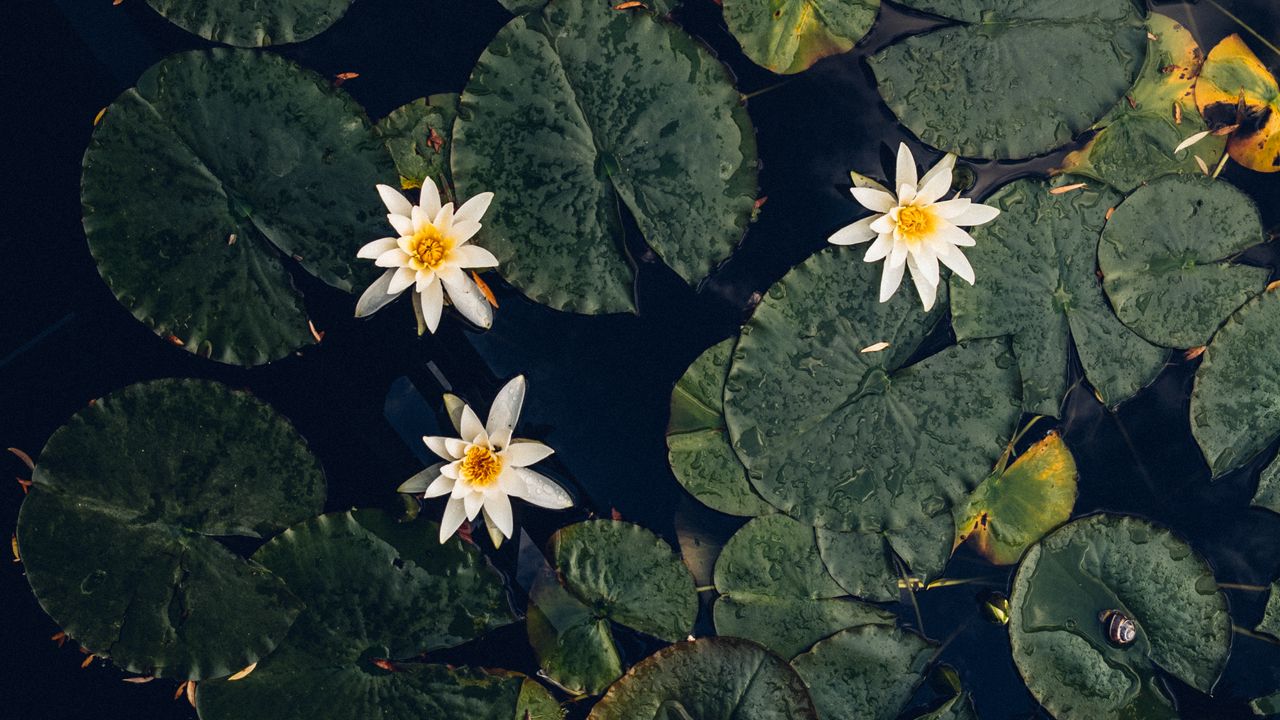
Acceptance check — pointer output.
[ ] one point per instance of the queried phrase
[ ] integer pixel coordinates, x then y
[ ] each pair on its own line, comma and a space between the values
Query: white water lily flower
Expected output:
485, 467
916, 229
431, 254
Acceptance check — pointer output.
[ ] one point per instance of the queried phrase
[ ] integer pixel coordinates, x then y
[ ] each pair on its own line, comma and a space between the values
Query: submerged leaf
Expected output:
1166, 258
1015, 507
788, 36
418, 136
1268, 492
1236, 89
1062, 598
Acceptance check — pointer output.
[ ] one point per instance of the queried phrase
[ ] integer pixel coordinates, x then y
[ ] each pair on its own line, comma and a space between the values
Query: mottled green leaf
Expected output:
1270, 623
1036, 266
775, 590
375, 590
867, 672
1015, 507
1136, 140
418, 137
612, 572
1058, 625
708, 678
115, 533
1268, 492
959, 707
252, 23
212, 179
788, 36
1166, 254
1011, 79
845, 439
698, 446
580, 115
864, 564
1268, 706
1235, 403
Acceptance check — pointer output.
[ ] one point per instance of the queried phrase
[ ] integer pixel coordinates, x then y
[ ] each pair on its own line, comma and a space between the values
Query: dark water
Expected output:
599, 386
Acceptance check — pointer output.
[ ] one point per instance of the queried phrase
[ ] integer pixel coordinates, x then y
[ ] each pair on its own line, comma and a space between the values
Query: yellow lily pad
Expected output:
1015, 507
1236, 89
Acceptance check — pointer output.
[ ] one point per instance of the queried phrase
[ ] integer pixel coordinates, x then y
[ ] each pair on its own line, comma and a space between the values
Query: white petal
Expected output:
376, 296
879, 249
500, 439
462, 231
952, 257
442, 486
456, 447
897, 254
371, 251
421, 481
523, 453
444, 219
505, 411
474, 209
948, 209
429, 200
885, 224
875, 200
890, 280
906, 170
933, 191
927, 263
952, 234
454, 514
855, 233
432, 302
906, 194
403, 278
474, 256
469, 300
440, 446
420, 218
472, 430
928, 291
473, 502
392, 258
976, 215
424, 279
944, 167
498, 510
395, 202
1192, 140
543, 491
453, 405
402, 223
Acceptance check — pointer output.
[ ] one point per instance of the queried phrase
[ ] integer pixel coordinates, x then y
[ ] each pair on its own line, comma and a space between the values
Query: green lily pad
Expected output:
1111, 563
708, 678
865, 672
1036, 266
775, 590
1135, 142
1011, 80
1012, 509
196, 217
1270, 623
698, 448
1166, 254
115, 534
418, 137
852, 440
1235, 404
864, 564
1268, 706
788, 36
377, 593
581, 114
613, 572
959, 707
1268, 492
250, 23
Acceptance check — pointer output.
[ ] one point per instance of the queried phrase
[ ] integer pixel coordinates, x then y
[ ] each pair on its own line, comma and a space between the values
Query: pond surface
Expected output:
599, 386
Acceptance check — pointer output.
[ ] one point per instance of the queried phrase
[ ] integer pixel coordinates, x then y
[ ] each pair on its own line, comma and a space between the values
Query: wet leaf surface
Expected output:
1235, 404
1103, 563
220, 172
775, 590
848, 440
865, 672
1268, 493
698, 447
377, 590
750, 683
788, 36
1037, 266
1137, 139
418, 137
250, 23
1011, 79
116, 532
1166, 253
581, 115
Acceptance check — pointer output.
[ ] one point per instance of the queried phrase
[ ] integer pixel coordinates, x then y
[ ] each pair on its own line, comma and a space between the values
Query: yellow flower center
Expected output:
480, 466
915, 223
427, 248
